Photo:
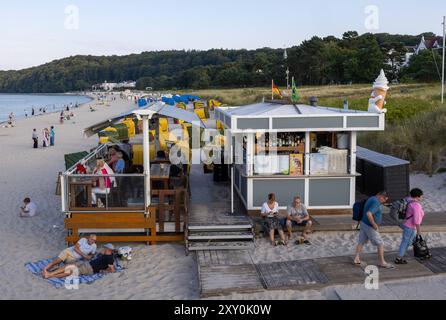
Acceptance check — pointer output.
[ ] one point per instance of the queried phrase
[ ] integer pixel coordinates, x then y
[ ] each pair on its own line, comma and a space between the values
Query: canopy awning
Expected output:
171, 112
73, 158
95, 129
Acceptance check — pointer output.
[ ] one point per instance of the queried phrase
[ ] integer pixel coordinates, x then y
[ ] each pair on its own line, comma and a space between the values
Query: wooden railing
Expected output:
169, 207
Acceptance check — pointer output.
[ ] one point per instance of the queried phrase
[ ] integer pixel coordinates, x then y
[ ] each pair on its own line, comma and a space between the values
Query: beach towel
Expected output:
36, 268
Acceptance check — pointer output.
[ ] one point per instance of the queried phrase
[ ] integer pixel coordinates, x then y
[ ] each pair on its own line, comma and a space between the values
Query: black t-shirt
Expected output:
102, 262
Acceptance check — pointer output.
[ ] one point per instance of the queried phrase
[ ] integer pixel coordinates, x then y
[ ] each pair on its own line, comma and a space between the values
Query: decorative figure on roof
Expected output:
377, 100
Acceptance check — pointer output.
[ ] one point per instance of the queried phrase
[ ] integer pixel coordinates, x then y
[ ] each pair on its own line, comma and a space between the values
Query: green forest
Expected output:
353, 58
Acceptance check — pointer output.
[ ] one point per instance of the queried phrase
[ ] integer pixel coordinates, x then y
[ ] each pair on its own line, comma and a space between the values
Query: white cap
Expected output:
109, 246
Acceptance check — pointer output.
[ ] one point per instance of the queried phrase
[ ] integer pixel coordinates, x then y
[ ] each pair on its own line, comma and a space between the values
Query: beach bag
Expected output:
420, 249
398, 210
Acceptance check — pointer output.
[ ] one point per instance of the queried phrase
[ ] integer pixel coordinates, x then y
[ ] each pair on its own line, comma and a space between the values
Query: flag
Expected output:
295, 97
276, 91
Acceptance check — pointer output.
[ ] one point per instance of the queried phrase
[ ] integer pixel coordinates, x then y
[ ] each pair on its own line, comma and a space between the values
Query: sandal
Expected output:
388, 266
281, 243
399, 261
358, 264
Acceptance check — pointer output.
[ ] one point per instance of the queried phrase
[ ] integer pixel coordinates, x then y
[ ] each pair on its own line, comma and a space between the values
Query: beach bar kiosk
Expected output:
296, 150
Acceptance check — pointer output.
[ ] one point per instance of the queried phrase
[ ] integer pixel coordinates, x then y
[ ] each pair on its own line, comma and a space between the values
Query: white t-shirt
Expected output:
31, 209
85, 248
266, 209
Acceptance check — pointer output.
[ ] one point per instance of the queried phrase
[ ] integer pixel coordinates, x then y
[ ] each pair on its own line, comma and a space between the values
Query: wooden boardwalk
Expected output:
211, 202
223, 273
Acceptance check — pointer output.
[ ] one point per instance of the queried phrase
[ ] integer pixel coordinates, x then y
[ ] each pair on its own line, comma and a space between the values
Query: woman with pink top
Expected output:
412, 224
103, 185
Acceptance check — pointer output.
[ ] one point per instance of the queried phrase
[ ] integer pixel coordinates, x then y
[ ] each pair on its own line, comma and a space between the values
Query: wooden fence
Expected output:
169, 208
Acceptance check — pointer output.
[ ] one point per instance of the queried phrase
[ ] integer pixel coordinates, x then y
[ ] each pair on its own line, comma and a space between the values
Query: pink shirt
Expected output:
415, 213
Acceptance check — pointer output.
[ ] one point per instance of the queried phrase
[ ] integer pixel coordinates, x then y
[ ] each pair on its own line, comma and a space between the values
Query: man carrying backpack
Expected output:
370, 229
412, 224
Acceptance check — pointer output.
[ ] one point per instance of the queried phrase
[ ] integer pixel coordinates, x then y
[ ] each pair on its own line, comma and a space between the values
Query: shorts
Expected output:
85, 269
367, 234
293, 223
67, 257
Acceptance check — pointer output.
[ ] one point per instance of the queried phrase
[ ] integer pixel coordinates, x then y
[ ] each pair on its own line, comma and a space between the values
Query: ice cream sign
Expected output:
377, 100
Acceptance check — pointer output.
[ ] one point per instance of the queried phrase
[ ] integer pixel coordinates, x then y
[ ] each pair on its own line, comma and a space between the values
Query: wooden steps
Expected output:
220, 237
220, 246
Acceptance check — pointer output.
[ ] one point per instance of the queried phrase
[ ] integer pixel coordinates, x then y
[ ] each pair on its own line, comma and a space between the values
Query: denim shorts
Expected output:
367, 234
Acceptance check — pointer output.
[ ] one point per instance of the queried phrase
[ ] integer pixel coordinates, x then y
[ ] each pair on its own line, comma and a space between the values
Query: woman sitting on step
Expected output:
270, 211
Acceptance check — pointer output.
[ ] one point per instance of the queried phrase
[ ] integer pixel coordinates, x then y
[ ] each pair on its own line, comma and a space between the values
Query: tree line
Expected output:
353, 58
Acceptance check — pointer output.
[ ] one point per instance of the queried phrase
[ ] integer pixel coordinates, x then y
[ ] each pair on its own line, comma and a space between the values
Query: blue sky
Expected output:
34, 32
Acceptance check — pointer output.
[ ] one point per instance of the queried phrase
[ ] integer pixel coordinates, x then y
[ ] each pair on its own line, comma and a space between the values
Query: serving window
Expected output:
279, 154
329, 153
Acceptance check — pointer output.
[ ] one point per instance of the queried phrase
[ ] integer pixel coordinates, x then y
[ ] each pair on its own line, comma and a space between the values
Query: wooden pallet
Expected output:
287, 275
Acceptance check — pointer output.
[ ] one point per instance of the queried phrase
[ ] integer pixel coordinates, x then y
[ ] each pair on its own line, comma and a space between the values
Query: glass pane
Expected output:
106, 192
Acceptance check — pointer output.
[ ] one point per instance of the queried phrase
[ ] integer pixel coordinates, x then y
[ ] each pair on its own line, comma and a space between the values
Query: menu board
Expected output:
296, 165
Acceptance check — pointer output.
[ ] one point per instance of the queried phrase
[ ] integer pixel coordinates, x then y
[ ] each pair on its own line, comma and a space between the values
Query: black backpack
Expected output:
398, 210
358, 212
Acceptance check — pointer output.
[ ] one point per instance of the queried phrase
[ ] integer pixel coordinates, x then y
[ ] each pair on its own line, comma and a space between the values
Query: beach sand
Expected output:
33, 173
158, 272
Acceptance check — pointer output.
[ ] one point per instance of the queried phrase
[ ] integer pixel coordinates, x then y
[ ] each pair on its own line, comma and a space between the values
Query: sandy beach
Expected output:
159, 272
28, 172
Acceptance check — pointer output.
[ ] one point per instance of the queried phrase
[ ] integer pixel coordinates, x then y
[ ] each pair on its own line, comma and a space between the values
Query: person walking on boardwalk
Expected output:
370, 229
35, 138
412, 224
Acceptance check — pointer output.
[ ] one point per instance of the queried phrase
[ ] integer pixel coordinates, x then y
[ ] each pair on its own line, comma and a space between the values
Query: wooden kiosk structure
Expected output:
134, 208
296, 150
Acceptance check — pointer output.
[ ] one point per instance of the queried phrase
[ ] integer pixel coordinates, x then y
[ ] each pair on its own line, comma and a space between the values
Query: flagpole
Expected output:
444, 50
272, 89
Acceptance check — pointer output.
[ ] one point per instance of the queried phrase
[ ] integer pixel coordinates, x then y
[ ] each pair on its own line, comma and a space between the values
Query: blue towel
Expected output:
37, 267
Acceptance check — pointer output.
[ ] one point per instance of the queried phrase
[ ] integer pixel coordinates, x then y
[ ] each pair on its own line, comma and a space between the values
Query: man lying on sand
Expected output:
103, 263
84, 249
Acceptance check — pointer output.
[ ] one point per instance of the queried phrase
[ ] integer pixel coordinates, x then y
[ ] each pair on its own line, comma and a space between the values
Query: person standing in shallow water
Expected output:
52, 136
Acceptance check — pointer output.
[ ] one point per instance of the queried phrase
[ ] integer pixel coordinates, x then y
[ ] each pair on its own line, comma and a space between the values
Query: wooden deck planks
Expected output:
228, 272
221, 280
229, 258
437, 264
285, 275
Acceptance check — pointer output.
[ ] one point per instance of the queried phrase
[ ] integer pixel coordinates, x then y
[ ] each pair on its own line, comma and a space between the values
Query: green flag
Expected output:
295, 97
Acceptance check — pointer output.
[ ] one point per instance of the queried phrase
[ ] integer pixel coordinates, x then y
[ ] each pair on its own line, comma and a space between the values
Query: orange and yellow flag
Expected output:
276, 91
